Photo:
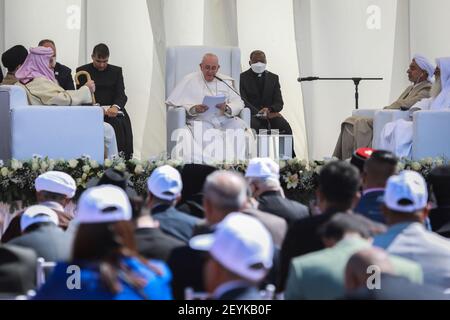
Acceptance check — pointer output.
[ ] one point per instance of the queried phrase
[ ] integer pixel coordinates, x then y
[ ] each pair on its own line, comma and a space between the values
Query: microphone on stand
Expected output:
307, 79
257, 115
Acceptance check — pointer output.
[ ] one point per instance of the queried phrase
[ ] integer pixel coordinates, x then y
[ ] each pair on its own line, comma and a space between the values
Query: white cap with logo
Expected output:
36, 214
165, 183
406, 192
104, 203
262, 168
57, 182
241, 244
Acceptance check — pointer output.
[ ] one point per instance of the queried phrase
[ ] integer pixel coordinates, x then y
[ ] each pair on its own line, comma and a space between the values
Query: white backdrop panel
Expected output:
269, 26
347, 38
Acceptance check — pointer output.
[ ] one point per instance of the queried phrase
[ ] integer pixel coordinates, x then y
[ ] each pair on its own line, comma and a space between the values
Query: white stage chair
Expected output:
183, 60
55, 131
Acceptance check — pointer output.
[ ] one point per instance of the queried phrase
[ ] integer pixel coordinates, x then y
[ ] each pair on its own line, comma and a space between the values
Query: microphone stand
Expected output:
356, 81
269, 126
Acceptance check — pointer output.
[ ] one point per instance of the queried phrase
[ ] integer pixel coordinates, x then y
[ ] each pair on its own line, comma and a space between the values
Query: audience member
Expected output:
12, 59
405, 209
263, 176
240, 256
105, 252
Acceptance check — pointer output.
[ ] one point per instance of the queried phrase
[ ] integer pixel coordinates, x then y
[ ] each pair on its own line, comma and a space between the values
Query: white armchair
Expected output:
54, 131
431, 130
380, 118
183, 60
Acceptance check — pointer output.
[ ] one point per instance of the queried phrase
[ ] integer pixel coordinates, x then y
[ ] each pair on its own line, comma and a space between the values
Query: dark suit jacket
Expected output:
186, 265
276, 226
64, 76
17, 270
271, 94
290, 210
370, 206
444, 230
241, 293
1, 75
398, 288
439, 217
152, 243
109, 86
175, 223
48, 241
301, 238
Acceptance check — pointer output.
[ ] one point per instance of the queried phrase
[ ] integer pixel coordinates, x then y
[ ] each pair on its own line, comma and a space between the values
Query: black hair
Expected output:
101, 51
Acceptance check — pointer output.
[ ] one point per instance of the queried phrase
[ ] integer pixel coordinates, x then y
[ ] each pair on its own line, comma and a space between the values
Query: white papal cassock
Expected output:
210, 137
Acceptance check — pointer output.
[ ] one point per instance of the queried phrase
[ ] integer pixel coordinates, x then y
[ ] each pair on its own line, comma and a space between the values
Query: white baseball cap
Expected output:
57, 182
241, 244
104, 203
406, 192
37, 213
262, 168
165, 183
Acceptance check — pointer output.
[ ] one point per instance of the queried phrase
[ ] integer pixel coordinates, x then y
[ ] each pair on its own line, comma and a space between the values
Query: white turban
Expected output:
425, 65
442, 101
56, 182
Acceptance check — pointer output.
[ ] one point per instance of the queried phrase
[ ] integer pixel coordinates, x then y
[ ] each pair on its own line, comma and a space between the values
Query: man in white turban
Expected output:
396, 136
211, 123
54, 189
357, 132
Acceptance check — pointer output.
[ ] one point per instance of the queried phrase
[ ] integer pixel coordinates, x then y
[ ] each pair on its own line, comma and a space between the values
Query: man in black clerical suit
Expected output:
261, 90
62, 73
110, 93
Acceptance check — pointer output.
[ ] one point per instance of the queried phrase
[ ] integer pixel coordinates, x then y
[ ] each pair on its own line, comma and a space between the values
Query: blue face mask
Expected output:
258, 67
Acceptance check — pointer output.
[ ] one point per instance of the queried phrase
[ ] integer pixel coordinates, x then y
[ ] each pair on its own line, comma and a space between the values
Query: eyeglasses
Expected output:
210, 68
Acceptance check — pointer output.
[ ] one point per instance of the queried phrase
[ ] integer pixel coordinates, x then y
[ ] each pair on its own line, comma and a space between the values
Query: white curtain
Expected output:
269, 26
327, 38
347, 38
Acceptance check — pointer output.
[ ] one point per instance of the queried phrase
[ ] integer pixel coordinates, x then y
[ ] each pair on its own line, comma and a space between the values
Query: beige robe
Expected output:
42, 91
9, 79
357, 132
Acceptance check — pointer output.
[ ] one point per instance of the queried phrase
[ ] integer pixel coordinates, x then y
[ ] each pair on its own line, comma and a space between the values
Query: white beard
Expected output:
436, 87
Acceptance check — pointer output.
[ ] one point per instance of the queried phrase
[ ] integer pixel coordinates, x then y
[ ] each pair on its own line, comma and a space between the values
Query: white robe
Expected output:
397, 135
206, 138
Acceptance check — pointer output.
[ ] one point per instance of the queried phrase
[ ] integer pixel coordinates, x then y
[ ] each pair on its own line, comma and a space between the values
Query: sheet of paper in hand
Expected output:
211, 102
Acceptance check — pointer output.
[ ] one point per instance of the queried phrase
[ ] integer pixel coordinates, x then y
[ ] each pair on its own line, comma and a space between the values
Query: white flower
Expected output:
304, 163
93, 164
79, 181
4, 171
86, 168
73, 163
138, 169
120, 167
317, 169
34, 165
282, 164
16, 164
291, 180
51, 164
400, 166
100, 174
108, 163
84, 177
44, 165
416, 166
427, 161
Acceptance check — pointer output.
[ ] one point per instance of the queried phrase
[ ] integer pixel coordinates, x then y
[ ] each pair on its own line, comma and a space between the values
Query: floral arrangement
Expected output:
297, 177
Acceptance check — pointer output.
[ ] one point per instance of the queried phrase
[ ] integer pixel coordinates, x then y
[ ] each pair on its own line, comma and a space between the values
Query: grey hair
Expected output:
269, 182
225, 190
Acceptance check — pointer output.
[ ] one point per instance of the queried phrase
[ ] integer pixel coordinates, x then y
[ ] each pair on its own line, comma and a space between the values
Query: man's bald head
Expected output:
209, 66
224, 192
358, 266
